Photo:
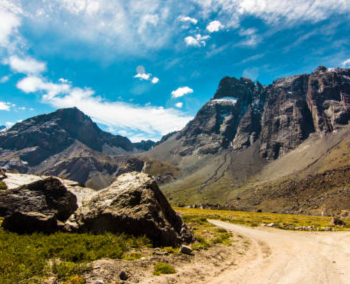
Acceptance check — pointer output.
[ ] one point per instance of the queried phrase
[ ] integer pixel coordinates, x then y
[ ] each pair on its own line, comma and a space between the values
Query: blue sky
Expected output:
143, 68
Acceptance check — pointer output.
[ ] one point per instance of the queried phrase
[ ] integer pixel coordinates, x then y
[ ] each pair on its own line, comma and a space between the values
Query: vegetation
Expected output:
253, 219
30, 258
206, 233
3, 186
163, 268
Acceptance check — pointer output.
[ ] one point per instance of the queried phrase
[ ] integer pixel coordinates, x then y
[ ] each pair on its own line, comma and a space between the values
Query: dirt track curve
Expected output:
289, 257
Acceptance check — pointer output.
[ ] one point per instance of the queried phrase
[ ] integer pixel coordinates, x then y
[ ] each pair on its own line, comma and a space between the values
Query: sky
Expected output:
143, 68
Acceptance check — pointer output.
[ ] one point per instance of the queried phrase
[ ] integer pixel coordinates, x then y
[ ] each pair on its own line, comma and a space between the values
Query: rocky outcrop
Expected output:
132, 165
31, 222
47, 196
134, 205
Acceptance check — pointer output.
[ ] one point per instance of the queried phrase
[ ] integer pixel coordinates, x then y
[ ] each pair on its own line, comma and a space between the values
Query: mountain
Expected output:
248, 129
2, 128
69, 144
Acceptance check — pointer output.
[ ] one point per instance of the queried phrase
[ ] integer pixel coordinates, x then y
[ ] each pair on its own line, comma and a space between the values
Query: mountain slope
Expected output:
69, 144
249, 134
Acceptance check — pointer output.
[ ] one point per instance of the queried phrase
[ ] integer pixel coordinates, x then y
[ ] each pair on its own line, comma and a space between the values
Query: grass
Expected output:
26, 258
163, 268
253, 219
206, 233
3, 186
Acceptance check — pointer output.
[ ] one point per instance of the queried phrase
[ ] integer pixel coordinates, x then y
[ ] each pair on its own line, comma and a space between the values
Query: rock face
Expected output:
133, 204
278, 117
48, 196
30, 222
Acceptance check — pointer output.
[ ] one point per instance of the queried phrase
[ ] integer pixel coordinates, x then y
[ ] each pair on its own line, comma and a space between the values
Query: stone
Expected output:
123, 275
30, 222
133, 205
186, 250
337, 222
47, 196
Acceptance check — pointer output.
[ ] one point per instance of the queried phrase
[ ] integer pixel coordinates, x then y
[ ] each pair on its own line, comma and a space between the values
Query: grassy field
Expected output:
253, 219
32, 258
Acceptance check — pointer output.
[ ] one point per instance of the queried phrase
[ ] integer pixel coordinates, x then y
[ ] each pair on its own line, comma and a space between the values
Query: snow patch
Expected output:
231, 100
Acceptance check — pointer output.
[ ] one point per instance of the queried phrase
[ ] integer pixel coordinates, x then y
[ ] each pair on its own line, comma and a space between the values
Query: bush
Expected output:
163, 268
3, 186
70, 271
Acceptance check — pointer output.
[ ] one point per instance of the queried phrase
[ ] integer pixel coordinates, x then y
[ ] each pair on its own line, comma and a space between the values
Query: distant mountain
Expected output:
69, 144
247, 128
2, 128
144, 145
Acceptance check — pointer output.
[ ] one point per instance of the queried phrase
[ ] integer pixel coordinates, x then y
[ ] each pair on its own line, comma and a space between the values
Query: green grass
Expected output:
3, 186
253, 219
163, 268
26, 258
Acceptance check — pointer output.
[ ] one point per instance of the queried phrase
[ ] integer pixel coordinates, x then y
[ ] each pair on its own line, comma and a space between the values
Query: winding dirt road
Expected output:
287, 257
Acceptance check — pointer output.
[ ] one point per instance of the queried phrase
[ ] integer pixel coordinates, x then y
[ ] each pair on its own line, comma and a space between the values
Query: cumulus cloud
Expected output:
142, 75
149, 120
179, 105
196, 41
214, 26
188, 20
26, 65
346, 63
180, 92
155, 80
4, 106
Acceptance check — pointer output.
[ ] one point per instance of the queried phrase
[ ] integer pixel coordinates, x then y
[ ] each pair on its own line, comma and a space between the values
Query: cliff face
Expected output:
278, 117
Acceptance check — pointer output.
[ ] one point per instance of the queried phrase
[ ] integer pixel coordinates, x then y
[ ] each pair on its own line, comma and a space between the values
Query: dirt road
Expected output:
287, 257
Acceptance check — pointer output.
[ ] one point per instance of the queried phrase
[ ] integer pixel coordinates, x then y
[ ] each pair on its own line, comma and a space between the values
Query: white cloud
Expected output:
180, 92
196, 41
22, 108
188, 19
150, 120
155, 80
284, 12
214, 26
26, 65
4, 79
4, 106
9, 22
142, 75
65, 81
346, 63
179, 105
252, 39
9, 124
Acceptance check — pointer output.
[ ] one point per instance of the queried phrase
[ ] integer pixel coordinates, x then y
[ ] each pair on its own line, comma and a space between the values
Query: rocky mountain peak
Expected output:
279, 116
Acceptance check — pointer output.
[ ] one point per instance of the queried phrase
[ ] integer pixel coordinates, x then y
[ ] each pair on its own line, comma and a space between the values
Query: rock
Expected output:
47, 196
30, 222
186, 250
337, 222
134, 205
123, 275
271, 225
132, 165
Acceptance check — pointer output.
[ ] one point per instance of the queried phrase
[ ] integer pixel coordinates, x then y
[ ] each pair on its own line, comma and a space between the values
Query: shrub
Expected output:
3, 186
70, 271
163, 268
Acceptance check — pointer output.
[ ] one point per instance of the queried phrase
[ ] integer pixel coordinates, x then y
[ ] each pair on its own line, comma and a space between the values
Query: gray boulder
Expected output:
134, 205
30, 222
47, 196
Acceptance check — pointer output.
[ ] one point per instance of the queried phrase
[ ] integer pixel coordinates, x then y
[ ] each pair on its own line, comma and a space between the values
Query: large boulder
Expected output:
30, 222
134, 205
47, 196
